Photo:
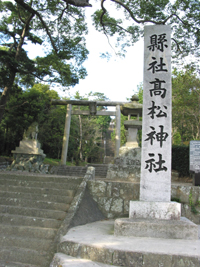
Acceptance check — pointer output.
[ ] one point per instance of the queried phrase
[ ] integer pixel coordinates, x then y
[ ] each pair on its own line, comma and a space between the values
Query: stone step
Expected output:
24, 183
34, 204
100, 169
29, 221
33, 212
23, 255
70, 171
32, 209
15, 264
37, 190
45, 197
97, 242
27, 231
38, 244
67, 261
40, 178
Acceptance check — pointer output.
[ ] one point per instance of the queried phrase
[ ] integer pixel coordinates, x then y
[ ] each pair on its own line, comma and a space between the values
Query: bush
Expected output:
180, 159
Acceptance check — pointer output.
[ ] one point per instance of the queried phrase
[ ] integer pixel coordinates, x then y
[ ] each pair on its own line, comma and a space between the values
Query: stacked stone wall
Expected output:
113, 198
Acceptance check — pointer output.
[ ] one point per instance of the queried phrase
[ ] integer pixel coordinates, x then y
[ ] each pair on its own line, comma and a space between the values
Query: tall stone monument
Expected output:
155, 215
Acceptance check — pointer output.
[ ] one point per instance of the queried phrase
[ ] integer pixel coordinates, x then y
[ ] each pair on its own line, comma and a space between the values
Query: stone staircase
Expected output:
75, 171
100, 170
32, 209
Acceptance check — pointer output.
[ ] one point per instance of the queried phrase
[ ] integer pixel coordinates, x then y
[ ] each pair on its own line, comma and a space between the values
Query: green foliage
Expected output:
183, 16
23, 108
192, 204
91, 130
185, 105
180, 159
58, 28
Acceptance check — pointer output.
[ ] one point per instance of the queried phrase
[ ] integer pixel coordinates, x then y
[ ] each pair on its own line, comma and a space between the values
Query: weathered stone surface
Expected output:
126, 167
113, 197
183, 261
185, 193
156, 153
152, 260
155, 210
29, 162
96, 254
186, 211
98, 188
29, 146
90, 174
169, 229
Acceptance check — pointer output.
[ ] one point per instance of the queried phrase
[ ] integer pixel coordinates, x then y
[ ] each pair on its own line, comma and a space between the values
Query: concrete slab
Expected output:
96, 241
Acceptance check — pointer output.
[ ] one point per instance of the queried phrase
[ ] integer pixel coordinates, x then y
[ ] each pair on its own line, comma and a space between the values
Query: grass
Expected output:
56, 162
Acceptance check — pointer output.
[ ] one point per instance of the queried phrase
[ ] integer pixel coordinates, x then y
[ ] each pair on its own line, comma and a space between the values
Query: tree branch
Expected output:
78, 3
32, 11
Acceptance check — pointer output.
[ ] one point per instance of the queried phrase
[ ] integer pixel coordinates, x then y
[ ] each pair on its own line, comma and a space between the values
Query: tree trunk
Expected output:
8, 87
5, 94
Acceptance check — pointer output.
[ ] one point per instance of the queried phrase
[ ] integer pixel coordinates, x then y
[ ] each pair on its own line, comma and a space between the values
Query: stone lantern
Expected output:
127, 166
133, 110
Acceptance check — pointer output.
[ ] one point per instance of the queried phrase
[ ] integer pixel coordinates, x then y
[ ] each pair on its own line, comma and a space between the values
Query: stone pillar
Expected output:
117, 136
155, 215
66, 135
156, 125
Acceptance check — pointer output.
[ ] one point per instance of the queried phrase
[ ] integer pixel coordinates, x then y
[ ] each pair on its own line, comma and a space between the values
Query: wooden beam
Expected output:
99, 113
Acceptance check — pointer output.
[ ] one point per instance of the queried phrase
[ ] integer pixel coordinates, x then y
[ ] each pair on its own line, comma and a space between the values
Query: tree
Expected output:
186, 104
22, 109
182, 15
59, 25
91, 129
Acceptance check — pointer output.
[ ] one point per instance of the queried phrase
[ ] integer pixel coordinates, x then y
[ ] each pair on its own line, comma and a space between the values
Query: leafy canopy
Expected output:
182, 15
58, 27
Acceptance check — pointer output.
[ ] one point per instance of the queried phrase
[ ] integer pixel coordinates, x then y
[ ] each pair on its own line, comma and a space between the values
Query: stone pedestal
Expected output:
132, 127
156, 220
167, 229
29, 157
29, 146
127, 166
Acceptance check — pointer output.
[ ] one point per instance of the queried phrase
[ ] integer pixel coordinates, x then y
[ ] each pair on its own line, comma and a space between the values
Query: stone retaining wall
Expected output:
113, 198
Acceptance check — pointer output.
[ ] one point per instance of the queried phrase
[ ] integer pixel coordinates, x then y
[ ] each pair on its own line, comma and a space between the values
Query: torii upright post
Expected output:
117, 136
66, 135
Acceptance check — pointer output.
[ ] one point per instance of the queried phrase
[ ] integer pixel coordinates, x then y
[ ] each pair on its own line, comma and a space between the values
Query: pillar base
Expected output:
155, 210
167, 229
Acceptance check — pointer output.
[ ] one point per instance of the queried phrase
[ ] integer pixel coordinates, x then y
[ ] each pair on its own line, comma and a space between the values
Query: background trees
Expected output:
25, 107
59, 25
186, 105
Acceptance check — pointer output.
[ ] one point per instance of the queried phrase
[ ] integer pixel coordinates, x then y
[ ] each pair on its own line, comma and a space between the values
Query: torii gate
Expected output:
92, 111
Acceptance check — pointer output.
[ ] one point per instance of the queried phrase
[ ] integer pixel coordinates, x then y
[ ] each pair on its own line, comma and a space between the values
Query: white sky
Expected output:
117, 78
